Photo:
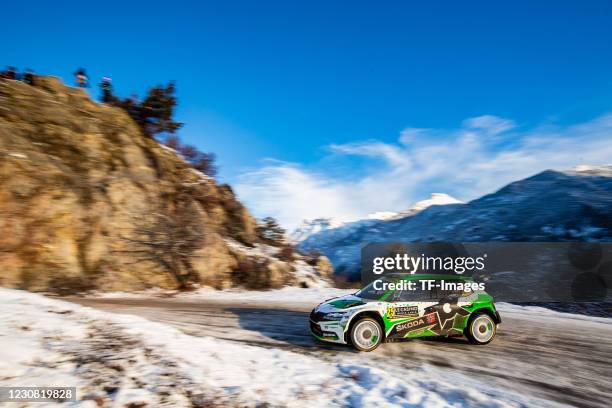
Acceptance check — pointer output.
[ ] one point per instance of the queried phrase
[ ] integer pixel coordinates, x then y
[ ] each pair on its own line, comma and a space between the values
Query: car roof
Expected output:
427, 276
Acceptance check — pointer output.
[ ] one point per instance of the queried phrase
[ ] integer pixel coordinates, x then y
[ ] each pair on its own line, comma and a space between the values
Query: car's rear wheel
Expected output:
366, 334
481, 329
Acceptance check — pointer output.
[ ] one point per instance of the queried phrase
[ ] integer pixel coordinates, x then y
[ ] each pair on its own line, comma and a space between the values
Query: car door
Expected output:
445, 311
402, 306
407, 313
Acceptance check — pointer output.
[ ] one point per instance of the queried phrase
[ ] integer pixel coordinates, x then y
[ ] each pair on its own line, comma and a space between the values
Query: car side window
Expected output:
417, 295
439, 294
395, 297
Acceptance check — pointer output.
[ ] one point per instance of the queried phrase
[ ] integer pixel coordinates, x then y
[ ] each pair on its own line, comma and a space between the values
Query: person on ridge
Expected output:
80, 77
28, 77
10, 73
107, 89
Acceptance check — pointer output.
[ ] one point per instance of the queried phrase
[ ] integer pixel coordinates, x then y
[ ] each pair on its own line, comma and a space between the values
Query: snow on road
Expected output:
116, 360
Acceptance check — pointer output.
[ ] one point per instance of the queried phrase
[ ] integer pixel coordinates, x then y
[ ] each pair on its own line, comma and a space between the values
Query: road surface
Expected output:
563, 359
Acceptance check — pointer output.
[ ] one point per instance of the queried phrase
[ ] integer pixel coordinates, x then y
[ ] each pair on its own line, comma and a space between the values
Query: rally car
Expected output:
376, 314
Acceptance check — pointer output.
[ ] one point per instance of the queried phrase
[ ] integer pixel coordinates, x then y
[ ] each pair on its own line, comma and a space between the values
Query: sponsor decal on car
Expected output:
430, 318
400, 330
345, 304
397, 312
447, 313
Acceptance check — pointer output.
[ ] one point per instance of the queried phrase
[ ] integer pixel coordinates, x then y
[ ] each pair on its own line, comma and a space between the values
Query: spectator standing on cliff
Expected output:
80, 77
28, 77
10, 73
107, 89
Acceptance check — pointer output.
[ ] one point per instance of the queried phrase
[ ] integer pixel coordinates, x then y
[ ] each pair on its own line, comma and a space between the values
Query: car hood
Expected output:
340, 303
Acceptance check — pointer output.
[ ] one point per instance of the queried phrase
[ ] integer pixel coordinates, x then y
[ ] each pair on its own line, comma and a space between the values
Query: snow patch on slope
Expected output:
314, 226
382, 215
434, 199
605, 171
305, 274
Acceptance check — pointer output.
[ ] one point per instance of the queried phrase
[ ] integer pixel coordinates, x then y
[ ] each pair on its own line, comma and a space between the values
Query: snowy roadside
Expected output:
539, 312
118, 360
286, 295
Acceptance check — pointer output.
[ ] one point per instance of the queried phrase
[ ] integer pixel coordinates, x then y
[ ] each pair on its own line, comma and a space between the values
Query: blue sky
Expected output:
324, 90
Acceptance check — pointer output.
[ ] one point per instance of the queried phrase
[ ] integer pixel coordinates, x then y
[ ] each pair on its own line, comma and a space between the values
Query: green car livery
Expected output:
409, 306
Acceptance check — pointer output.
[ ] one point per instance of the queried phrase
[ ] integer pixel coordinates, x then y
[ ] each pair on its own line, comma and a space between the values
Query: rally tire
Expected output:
366, 334
481, 329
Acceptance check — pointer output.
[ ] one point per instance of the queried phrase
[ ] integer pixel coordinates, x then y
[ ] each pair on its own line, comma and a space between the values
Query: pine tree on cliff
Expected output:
271, 231
158, 111
204, 162
155, 113
201, 161
155, 116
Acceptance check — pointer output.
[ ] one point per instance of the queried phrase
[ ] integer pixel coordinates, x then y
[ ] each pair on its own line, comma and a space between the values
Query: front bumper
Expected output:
331, 331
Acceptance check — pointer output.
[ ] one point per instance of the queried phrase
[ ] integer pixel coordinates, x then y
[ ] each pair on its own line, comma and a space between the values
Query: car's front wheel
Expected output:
366, 334
481, 329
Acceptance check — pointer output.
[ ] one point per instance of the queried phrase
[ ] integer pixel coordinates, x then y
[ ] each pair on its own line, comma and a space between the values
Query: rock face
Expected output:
80, 185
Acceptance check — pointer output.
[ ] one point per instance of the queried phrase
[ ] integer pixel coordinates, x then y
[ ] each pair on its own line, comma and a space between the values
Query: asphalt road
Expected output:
565, 361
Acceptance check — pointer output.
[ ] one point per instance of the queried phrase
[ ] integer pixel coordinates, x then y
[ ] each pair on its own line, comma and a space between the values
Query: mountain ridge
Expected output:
571, 205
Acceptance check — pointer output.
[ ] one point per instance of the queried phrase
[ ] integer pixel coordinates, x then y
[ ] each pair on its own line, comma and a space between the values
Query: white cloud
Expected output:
392, 154
409, 134
465, 162
490, 124
289, 193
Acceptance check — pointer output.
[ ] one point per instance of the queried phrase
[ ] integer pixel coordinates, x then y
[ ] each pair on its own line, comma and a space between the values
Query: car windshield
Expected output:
369, 292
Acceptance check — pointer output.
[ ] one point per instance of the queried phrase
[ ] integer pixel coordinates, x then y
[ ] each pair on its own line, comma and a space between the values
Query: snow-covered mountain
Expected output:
434, 199
570, 205
309, 228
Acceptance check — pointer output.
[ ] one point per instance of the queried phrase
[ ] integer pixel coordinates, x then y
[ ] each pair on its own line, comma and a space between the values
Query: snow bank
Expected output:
536, 313
289, 295
121, 359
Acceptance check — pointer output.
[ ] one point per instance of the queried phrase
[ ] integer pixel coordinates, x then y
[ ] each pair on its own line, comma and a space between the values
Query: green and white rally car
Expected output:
392, 308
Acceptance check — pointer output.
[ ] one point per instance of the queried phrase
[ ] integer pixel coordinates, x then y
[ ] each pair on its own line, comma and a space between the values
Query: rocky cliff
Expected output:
88, 202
